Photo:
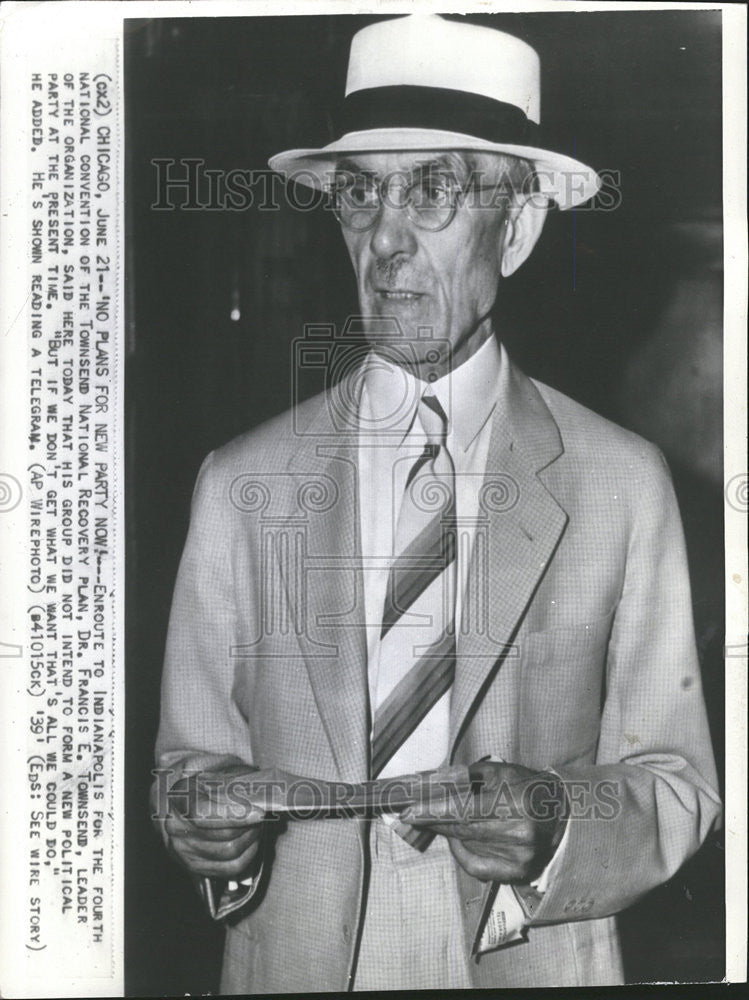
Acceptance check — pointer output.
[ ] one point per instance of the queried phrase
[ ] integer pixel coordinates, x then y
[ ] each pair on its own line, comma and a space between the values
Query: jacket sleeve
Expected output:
650, 799
201, 728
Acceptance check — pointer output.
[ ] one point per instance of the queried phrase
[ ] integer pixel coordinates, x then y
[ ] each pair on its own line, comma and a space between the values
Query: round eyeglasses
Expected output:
430, 200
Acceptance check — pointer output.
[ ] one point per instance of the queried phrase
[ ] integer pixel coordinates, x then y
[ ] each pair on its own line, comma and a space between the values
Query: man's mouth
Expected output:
399, 294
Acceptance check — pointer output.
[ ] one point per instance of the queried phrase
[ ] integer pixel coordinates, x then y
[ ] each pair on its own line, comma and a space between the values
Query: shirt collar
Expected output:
468, 394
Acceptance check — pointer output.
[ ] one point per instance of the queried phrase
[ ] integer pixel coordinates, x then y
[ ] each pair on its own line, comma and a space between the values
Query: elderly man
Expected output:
442, 566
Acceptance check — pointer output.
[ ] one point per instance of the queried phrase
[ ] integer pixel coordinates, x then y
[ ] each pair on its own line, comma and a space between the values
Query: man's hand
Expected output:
206, 834
508, 831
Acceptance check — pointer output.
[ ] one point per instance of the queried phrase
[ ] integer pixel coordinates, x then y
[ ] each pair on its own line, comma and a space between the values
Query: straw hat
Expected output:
422, 82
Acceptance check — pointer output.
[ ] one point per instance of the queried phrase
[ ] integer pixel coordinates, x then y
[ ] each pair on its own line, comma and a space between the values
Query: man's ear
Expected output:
523, 226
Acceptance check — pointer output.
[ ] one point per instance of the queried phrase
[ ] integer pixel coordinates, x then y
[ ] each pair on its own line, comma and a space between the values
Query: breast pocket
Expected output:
561, 692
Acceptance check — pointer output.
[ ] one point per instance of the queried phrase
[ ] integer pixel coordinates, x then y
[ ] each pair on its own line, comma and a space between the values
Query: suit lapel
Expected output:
520, 526
325, 590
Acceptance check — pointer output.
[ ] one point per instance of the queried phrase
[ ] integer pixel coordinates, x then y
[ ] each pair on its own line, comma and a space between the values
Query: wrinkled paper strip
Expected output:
62, 453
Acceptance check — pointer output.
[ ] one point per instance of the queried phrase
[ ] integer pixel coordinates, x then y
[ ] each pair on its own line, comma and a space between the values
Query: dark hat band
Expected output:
436, 108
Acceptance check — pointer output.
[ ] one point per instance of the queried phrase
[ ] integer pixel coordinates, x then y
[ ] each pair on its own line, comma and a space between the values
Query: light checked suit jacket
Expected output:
580, 656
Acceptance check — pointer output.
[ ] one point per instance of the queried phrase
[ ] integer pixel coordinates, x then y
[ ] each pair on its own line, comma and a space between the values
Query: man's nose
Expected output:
393, 233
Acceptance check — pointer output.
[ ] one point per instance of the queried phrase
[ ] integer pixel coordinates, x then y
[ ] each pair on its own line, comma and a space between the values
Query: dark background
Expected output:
621, 310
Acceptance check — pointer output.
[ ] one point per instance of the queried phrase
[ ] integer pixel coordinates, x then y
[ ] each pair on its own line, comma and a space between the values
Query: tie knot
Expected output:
433, 419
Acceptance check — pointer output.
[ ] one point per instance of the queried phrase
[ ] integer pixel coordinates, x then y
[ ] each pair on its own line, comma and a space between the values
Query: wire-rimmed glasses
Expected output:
429, 197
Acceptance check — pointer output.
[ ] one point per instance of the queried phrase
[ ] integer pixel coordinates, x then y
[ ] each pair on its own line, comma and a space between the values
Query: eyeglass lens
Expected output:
429, 200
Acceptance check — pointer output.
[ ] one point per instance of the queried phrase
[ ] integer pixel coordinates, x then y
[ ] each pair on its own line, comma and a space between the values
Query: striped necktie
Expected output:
417, 641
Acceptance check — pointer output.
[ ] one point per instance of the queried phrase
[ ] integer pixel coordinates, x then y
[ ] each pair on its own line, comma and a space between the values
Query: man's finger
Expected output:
441, 810
488, 828
236, 868
223, 850
487, 869
504, 806
217, 819
445, 828
178, 826
507, 863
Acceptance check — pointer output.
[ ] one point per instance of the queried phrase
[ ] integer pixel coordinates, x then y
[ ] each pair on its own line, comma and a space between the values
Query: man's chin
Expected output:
415, 356
403, 332
395, 326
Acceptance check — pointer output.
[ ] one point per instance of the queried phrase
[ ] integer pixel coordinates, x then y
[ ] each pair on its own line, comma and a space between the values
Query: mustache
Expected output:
387, 270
